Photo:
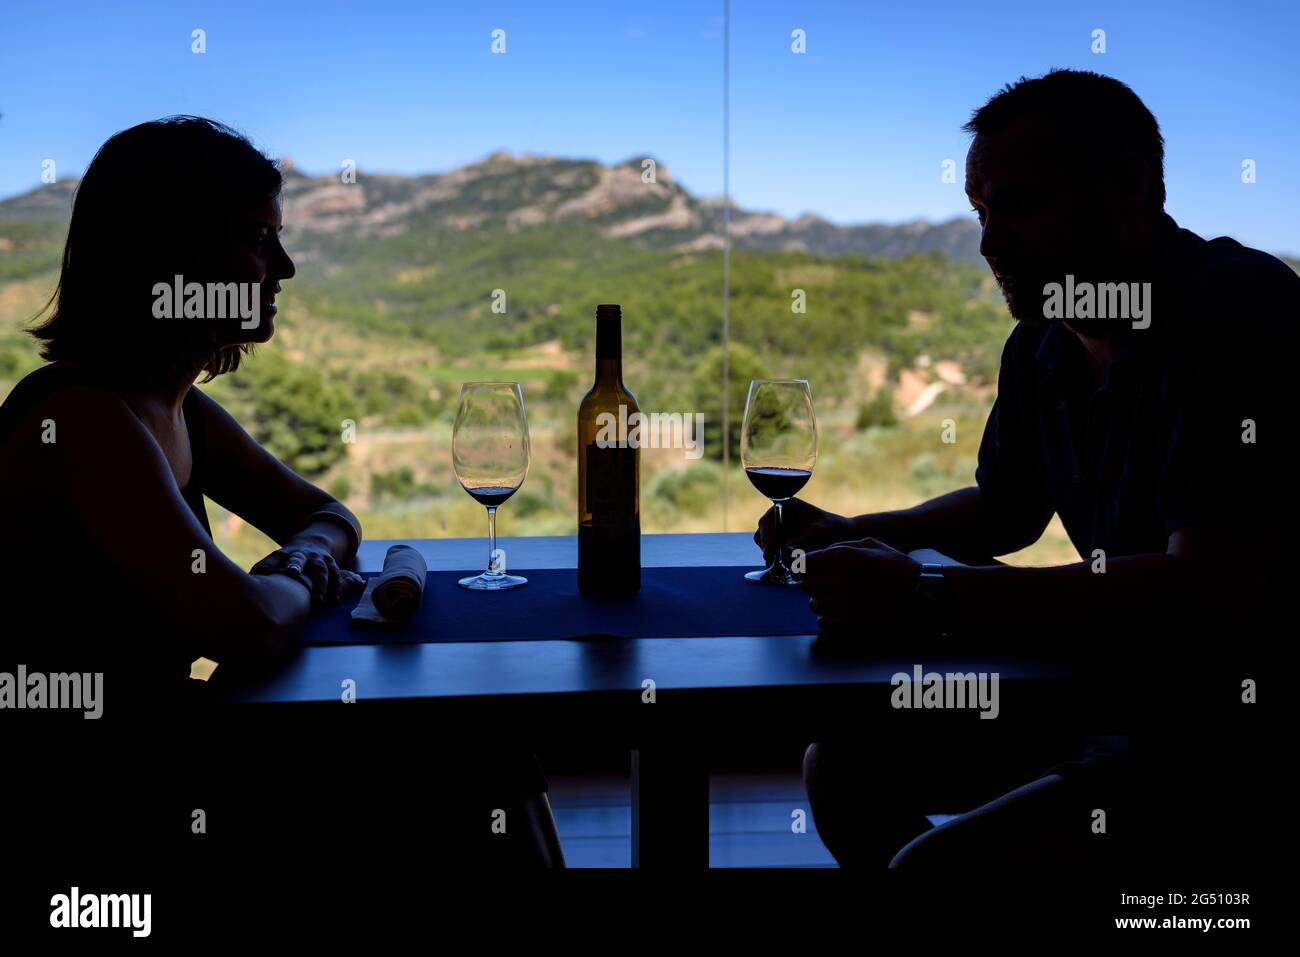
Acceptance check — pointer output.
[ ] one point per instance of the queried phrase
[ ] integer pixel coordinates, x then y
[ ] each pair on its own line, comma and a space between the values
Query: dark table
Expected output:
708, 689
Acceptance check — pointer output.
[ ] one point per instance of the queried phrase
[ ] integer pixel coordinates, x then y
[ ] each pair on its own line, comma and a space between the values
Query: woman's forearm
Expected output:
285, 602
258, 623
339, 531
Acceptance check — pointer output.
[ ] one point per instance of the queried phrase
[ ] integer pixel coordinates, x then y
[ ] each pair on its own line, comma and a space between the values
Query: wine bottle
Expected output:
609, 472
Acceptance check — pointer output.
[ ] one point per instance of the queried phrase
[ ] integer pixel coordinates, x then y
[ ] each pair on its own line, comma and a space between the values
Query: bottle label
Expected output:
611, 486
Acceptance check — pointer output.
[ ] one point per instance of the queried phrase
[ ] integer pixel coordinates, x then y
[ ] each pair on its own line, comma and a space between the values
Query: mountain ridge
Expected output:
519, 191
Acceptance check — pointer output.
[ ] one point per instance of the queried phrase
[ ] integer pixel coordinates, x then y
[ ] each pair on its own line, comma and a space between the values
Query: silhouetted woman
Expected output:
108, 450
106, 454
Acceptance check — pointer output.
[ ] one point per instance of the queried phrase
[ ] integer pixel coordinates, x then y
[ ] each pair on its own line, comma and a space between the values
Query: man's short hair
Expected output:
1100, 117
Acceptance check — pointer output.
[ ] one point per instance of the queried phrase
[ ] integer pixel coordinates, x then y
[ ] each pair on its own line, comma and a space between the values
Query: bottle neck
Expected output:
609, 350
609, 370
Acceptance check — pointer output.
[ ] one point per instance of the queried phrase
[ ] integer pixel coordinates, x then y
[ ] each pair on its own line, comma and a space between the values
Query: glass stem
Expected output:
779, 562
492, 540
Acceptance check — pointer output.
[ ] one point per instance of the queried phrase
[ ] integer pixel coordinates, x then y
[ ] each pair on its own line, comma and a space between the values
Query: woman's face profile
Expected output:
258, 257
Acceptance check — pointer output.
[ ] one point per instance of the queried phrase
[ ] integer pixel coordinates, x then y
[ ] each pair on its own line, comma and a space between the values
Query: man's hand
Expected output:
802, 526
856, 585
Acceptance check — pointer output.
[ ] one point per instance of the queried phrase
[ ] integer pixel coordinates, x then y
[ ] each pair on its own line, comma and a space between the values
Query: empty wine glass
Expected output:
489, 454
778, 448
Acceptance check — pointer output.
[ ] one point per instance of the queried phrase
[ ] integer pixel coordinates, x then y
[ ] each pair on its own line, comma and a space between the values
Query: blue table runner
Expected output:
696, 602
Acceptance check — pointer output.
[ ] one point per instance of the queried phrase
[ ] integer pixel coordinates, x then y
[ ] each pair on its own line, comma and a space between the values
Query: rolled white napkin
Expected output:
394, 594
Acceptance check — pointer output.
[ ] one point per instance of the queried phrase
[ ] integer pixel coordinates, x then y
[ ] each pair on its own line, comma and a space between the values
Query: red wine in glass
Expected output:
778, 484
778, 448
490, 496
490, 452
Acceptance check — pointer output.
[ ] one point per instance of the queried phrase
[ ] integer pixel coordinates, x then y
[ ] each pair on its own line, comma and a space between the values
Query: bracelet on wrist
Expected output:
334, 518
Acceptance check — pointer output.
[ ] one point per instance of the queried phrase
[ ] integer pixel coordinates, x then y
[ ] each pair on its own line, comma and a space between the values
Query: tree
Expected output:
290, 410
706, 393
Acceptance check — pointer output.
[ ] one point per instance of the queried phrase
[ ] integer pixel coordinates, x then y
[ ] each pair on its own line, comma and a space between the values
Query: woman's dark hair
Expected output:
161, 199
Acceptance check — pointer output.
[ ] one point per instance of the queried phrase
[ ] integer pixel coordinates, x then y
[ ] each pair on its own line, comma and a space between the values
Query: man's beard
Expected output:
1027, 301
1024, 296
1025, 290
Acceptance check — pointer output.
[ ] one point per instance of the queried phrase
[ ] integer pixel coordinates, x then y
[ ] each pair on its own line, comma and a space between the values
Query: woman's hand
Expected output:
802, 526
856, 585
313, 558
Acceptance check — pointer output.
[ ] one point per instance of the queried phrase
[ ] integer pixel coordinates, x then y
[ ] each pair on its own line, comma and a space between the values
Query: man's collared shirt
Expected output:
1176, 436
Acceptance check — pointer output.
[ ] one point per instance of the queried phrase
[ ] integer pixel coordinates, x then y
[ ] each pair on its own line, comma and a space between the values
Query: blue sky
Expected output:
855, 129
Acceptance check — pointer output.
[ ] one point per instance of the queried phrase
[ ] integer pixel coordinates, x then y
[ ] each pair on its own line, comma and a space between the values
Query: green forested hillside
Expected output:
392, 309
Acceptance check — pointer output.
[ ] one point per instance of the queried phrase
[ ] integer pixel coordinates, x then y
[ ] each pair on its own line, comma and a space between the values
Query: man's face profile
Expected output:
1036, 219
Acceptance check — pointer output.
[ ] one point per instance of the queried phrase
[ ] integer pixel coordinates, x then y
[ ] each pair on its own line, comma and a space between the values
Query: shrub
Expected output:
692, 490
879, 412
706, 394
340, 488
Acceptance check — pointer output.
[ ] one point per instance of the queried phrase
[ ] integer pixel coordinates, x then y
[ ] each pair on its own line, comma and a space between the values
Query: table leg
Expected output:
670, 808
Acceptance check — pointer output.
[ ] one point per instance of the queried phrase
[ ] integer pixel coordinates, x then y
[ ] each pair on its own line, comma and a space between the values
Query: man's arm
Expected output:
859, 587
956, 524
1005, 511
1104, 601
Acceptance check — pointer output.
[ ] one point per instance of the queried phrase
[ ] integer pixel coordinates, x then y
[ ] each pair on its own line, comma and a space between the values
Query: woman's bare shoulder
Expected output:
53, 418
66, 388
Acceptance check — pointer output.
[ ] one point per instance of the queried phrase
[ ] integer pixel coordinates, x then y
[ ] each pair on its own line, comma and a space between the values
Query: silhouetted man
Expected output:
1137, 399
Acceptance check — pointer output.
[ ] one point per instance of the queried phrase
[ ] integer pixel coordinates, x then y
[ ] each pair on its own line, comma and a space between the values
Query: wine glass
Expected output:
778, 448
489, 454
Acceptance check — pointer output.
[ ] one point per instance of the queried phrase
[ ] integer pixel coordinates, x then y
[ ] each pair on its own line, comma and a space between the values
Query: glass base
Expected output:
776, 575
486, 582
